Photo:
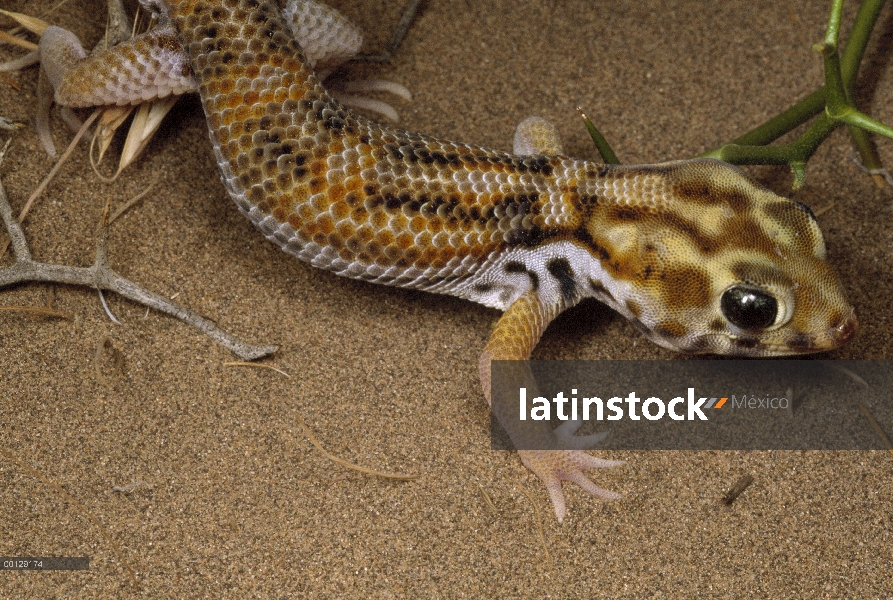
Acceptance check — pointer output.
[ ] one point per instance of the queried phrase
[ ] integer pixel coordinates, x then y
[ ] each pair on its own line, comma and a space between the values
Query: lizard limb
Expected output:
514, 338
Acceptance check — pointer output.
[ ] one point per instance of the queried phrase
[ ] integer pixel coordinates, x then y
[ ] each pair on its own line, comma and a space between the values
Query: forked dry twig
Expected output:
101, 276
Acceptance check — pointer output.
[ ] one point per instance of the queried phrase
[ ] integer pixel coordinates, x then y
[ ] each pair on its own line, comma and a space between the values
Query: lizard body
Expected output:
700, 258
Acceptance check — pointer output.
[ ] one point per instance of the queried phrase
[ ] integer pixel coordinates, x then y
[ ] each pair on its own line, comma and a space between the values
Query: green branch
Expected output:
835, 98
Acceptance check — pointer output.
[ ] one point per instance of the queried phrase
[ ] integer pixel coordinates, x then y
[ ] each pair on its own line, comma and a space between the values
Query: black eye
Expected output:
748, 307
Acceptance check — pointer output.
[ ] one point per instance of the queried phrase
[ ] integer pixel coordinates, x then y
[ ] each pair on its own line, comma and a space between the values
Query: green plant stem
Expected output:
836, 98
604, 149
813, 104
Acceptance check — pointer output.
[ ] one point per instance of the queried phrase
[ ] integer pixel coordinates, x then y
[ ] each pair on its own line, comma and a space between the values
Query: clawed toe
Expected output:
555, 466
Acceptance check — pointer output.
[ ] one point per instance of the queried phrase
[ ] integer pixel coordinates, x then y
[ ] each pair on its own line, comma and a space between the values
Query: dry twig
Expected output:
101, 276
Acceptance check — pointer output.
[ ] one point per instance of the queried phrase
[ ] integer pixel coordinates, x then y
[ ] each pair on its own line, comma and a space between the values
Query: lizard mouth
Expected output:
844, 332
833, 337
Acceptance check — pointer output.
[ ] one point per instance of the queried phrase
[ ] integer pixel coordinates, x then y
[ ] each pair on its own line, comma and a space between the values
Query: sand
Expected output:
240, 504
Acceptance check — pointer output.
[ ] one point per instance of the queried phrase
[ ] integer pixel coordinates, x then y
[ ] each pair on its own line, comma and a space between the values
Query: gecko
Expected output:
696, 255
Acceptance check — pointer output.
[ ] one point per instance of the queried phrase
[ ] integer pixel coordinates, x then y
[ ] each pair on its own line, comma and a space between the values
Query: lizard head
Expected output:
703, 260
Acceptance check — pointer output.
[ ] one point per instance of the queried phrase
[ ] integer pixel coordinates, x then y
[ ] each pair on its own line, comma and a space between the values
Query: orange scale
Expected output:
359, 215
365, 233
335, 240
427, 256
326, 223
413, 255
320, 203
422, 240
336, 195
451, 225
352, 183
379, 219
296, 92
398, 222
386, 238
226, 86
405, 240
250, 97
310, 229
292, 65
234, 100
300, 196
222, 132
336, 146
335, 177
241, 113
306, 211
340, 210
346, 229
318, 167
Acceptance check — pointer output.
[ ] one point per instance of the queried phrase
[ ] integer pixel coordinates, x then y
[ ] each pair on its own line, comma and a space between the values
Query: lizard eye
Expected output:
749, 307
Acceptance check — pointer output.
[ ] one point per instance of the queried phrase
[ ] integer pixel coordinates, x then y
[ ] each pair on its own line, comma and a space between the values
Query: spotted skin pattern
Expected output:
531, 235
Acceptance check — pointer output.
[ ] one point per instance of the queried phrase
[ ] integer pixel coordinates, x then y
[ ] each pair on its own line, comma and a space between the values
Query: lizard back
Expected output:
696, 255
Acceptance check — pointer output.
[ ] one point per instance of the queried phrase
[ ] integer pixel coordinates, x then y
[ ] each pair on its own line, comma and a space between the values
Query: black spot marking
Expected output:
698, 346
626, 214
671, 330
745, 342
561, 270
640, 326
599, 288
597, 249
525, 237
805, 209
482, 288
334, 123
391, 202
519, 267
440, 158
394, 151
799, 342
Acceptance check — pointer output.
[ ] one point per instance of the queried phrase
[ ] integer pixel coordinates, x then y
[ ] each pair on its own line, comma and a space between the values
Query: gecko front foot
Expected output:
555, 466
